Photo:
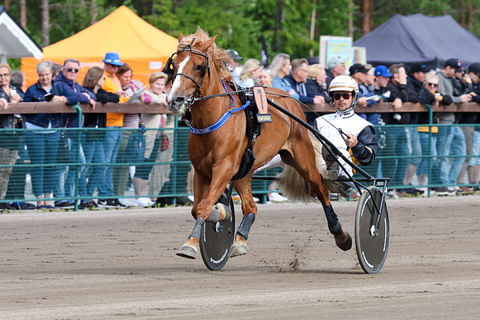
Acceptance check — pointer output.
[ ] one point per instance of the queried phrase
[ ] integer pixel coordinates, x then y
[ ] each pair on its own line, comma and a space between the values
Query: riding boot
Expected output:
332, 164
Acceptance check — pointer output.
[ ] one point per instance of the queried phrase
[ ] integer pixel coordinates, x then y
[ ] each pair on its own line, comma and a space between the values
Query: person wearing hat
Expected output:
236, 58
335, 67
358, 73
352, 135
450, 138
415, 84
114, 121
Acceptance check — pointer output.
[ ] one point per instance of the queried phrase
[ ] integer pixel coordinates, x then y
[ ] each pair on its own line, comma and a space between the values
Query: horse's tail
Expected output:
293, 185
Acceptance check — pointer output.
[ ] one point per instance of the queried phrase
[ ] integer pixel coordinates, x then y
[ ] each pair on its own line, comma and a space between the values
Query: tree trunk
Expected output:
312, 24
367, 8
45, 23
277, 42
94, 12
23, 13
6, 4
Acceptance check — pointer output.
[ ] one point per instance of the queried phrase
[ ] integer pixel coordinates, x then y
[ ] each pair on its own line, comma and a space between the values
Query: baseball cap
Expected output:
474, 68
112, 58
335, 61
234, 55
454, 63
357, 67
418, 67
382, 70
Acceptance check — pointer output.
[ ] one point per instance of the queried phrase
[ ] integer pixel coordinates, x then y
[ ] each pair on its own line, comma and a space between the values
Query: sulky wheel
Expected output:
371, 242
216, 238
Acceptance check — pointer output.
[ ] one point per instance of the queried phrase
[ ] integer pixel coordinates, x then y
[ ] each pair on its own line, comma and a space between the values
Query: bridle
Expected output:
170, 67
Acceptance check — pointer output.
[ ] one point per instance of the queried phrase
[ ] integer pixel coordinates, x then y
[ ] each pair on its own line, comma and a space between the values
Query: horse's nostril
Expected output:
179, 100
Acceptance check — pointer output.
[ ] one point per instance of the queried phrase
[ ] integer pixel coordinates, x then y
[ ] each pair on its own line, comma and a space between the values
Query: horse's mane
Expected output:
216, 55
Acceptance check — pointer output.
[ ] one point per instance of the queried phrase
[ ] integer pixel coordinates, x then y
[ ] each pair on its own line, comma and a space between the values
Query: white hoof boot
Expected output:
239, 248
188, 252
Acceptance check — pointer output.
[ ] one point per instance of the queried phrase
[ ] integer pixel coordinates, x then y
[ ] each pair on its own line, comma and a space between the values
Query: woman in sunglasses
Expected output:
353, 136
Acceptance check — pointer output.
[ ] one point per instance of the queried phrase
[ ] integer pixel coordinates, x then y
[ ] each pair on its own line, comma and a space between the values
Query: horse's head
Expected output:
190, 67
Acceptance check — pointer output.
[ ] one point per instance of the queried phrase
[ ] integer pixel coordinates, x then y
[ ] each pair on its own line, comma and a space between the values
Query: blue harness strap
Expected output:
217, 125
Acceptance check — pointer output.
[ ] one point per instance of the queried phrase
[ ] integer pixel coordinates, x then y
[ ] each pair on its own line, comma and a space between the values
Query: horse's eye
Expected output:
198, 67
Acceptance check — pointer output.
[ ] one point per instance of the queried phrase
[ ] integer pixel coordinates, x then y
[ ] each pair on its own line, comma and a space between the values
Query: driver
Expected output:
353, 136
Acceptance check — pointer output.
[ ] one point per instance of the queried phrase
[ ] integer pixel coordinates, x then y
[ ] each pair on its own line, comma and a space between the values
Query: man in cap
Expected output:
113, 137
450, 139
233, 54
335, 67
358, 72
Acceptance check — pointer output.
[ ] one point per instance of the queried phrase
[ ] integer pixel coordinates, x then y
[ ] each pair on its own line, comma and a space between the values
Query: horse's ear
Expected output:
210, 41
180, 37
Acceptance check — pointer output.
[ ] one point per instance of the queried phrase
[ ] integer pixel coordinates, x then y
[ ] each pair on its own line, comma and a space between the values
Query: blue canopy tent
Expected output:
419, 38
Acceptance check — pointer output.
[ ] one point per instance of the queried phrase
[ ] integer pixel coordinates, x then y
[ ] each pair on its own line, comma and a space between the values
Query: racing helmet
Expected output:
344, 83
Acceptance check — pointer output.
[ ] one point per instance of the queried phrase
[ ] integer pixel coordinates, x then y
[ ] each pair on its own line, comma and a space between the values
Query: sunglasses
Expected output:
72, 70
345, 96
435, 85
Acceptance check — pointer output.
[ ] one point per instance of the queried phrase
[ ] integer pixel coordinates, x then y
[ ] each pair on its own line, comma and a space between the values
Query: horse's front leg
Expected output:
249, 210
206, 192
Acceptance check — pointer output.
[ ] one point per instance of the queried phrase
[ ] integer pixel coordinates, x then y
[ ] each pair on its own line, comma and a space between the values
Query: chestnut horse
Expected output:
217, 146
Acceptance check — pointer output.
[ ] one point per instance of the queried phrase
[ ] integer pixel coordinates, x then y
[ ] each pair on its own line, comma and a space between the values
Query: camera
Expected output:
49, 96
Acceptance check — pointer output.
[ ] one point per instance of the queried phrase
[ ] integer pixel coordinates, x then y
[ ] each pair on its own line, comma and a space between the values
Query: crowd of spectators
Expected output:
413, 154
73, 157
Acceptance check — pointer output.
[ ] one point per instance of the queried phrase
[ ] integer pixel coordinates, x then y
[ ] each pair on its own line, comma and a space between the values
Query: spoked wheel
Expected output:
216, 238
371, 242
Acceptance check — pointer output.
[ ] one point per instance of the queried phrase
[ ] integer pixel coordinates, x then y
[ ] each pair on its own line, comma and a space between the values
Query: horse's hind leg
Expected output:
249, 209
342, 238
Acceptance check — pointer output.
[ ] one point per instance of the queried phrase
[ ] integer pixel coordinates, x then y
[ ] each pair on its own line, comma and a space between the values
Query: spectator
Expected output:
160, 139
316, 82
94, 139
156, 142
415, 84
42, 143
335, 68
233, 54
66, 85
17, 80
265, 78
131, 122
450, 139
16, 184
9, 140
358, 72
462, 83
298, 80
367, 90
393, 88
469, 131
280, 69
114, 124
250, 72
426, 133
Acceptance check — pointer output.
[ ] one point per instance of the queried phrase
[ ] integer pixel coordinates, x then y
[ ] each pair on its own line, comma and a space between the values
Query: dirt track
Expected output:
121, 264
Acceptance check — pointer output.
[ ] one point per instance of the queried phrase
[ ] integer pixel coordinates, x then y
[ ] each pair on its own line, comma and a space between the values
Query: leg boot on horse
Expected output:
190, 248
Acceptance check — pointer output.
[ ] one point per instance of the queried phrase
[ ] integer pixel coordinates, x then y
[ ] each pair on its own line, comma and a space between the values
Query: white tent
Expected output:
14, 41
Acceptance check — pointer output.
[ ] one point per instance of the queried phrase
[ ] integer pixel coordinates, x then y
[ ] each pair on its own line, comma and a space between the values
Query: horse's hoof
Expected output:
187, 251
239, 248
343, 241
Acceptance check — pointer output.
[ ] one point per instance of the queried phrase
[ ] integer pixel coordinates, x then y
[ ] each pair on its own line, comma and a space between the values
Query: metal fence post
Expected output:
77, 157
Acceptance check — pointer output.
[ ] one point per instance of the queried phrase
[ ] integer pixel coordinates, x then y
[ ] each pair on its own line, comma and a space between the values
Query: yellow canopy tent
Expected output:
141, 45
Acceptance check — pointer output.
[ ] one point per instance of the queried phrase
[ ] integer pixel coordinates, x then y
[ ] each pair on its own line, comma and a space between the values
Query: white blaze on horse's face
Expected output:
174, 103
